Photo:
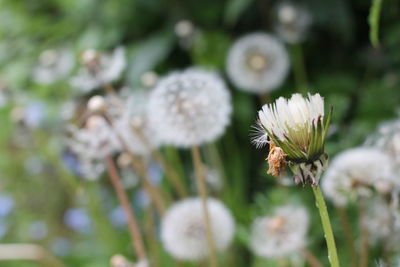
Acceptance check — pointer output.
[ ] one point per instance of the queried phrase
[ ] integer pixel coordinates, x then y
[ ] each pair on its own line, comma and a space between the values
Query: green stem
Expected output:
299, 68
326, 225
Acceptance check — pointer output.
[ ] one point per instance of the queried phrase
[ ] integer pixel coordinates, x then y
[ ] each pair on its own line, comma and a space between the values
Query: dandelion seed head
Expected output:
293, 22
53, 65
96, 103
189, 108
99, 69
356, 173
280, 234
257, 63
184, 28
183, 231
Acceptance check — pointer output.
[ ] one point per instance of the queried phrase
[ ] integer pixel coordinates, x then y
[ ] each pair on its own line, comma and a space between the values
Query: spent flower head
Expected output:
281, 234
257, 63
183, 229
296, 130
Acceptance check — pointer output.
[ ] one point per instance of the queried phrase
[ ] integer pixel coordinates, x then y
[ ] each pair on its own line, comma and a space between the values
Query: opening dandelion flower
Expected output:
296, 129
183, 229
282, 234
190, 108
257, 63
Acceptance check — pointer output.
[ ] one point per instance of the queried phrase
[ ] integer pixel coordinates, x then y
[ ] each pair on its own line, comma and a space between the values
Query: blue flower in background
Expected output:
155, 173
141, 199
71, 162
117, 217
78, 219
34, 113
38, 230
6, 205
61, 247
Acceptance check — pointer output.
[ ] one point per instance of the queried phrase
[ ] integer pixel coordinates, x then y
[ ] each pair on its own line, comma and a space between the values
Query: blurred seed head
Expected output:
257, 63
292, 22
189, 108
357, 172
183, 228
184, 28
96, 104
149, 79
281, 234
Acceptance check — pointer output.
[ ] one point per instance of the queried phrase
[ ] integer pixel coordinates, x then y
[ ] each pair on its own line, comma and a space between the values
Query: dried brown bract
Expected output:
276, 160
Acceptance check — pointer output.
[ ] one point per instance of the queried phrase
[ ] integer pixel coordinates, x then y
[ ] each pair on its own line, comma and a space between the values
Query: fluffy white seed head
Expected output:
131, 121
190, 107
53, 65
292, 22
357, 172
183, 231
257, 63
96, 103
100, 69
281, 234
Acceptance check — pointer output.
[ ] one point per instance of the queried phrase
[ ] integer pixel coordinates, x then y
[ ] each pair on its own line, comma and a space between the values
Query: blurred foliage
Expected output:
360, 81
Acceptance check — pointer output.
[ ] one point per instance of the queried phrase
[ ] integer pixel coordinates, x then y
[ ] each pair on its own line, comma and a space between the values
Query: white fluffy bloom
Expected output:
95, 141
292, 22
100, 69
183, 230
190, 107
387, 138
281, 234
356, 173
130, 121
379, 220
257, 63
53, 65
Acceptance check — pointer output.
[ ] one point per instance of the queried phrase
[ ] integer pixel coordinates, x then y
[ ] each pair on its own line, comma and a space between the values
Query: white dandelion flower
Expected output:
53, 66
99, 70
296, 129
183, 229
281, 234
292, 22
95, 141
357, 172
190, 107
130, 120
257, 63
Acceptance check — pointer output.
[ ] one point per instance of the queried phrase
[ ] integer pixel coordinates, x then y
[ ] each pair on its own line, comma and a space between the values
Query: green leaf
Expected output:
373, 20
234, 9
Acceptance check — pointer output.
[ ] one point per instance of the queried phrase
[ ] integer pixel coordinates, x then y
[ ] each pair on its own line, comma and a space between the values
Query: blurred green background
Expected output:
36, 188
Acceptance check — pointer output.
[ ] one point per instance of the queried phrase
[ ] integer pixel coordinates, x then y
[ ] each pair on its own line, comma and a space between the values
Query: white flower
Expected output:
131, 121
281, 234
183, 231
297, 127
53, 65
190, 107
292, 22
257, 63
357, 173
100, 69
95, 141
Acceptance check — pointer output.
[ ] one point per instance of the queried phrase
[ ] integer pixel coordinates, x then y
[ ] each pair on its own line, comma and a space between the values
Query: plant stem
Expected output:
133, 225
171, 174
202, 189
28, 252
364, 235
300, 74
344, 219
310, 258
326, 225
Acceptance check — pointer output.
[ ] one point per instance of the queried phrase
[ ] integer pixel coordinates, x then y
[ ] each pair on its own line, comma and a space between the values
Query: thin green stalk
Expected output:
326, 225
299, 68
202, 189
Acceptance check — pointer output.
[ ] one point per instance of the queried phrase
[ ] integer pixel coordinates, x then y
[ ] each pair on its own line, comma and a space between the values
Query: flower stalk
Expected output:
326, 225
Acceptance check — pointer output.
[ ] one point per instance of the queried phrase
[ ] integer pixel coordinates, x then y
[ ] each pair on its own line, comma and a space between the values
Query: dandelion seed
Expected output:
257, 63
281, 234
190, 108
183, 230
357, 172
